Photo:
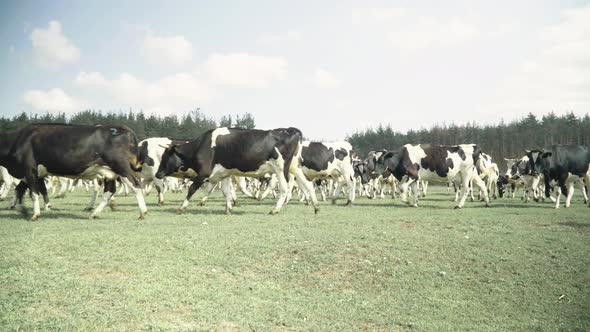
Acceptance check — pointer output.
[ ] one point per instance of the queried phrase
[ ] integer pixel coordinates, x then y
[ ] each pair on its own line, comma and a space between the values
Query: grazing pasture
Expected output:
378, 266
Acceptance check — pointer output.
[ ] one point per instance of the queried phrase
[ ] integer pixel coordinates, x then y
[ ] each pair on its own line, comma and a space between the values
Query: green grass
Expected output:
376, 266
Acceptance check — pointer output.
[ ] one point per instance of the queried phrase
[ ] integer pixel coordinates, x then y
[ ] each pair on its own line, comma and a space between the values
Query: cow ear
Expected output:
546, 154
527, 151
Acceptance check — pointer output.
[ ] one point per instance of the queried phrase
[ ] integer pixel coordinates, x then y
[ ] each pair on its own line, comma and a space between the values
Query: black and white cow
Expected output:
517, 176
329, 160
435, 163
85, 152
489, 172
563, 164
220, 153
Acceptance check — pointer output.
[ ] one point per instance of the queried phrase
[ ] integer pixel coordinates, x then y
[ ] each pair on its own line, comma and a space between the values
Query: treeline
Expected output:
503, 140
187, 126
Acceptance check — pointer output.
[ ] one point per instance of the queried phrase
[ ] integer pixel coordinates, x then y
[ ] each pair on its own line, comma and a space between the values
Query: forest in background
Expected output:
502, 140
187, 126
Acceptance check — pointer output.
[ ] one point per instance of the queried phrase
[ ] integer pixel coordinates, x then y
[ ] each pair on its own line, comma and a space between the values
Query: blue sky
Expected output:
328, 67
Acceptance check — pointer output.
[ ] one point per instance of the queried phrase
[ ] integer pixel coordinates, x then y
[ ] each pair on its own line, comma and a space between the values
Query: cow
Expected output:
517, 176
434, 163
563, 164
489, 172
74, 151
220, 153
329, 160
151, 150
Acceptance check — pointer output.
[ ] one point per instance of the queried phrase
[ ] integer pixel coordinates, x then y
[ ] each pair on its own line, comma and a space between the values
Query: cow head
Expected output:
172, 162
143, 155
538, 161
360, 169
501, 183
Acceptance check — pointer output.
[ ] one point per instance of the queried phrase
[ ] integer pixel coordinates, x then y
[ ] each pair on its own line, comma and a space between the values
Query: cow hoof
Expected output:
348, 203
201, 203
273, 212
457, 207
141, 216
93, 216
35, 217
415, 205
113, 205
235, 203
333, 201
47, 207
161, 203
228, 212
316, 210
179, 211
488, 205
87, 209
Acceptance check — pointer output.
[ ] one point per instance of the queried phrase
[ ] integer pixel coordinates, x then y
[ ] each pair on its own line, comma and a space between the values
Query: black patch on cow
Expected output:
143, 155
316, 156
340, 154
456, 149
436, 158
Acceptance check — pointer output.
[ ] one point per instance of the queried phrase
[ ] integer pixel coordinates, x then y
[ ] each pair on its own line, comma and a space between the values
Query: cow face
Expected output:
143, 155
172, 162
501, 183
538, 161
360, 169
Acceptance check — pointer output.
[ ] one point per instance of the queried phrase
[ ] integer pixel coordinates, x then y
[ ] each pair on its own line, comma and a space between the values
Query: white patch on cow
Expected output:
415, 153
42, 171
305, 143
218, 132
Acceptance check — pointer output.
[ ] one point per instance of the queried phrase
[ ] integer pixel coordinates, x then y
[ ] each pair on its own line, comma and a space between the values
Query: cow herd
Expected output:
261, 162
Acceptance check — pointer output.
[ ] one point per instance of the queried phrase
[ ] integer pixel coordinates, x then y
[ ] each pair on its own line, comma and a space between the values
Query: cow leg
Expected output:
197, 183
43, 191
556, 206
283, 188
415, 192
159, 185
90, 204
208, 190
138, 191
465, 179
17, 200
226, 188
570, 194
110, 188
305, 185
244, 187
269, 187
351, 184
587, 180
336, 192
482, 187
291, 182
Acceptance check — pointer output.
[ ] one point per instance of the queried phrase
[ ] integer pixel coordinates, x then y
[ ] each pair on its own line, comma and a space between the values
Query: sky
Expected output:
329, 68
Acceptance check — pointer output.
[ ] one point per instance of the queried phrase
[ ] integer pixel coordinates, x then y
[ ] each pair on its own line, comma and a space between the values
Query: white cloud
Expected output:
411, 31
325, 79
172, 93
54, 100
51, 47
558, 77
245, 70
288, 36
166, 50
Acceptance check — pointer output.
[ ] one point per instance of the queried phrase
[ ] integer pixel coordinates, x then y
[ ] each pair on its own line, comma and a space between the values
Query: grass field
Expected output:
376, 266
